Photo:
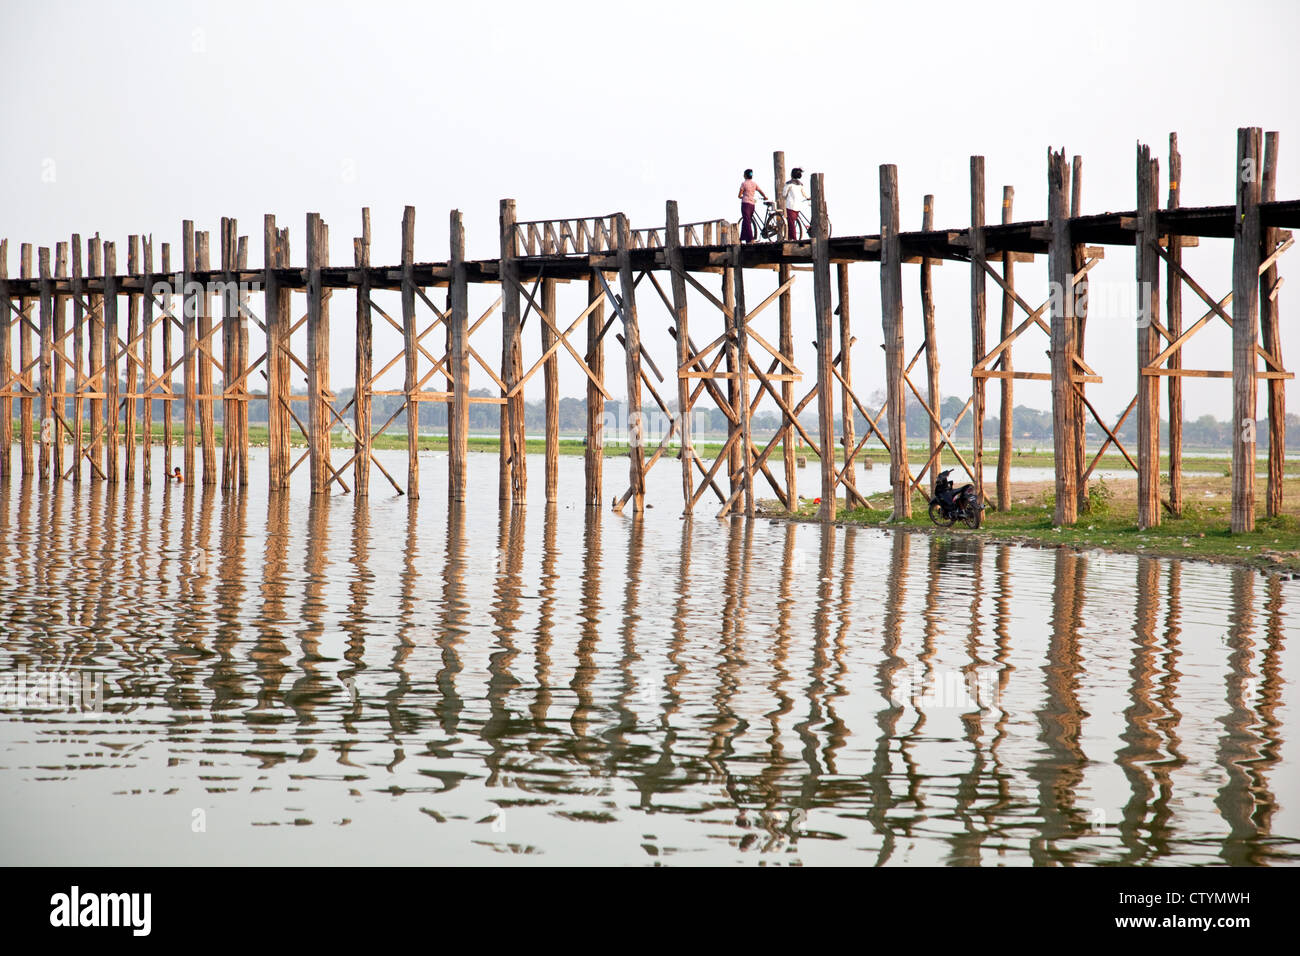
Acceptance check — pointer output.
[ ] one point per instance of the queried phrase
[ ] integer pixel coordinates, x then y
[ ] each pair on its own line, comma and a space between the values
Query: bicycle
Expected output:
774, 225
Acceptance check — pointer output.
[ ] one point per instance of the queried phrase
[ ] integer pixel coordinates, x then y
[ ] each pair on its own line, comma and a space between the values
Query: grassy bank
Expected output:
1201, 532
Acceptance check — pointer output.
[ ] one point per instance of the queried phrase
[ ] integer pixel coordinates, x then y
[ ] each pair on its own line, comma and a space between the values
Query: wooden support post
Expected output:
45, 381
514, 473
364, 363
25, 378
1080, 293
6, 365
848, 436
1174, 323
891, 312
1245, 326
735, 457
132, 379
203, 347
95, 360
740, 335
1059, 259
319, 397
825, 348
78, 357
681, 328
978, 318
931, 350
1006, 432
241, 319
111, 387
189, 312
1271, 332
786, 331
146, 360
229, 359
275, 243
170, 301
632, 336
411, 354
551, 377
458, 362
59, 374
1148, 344
594, 460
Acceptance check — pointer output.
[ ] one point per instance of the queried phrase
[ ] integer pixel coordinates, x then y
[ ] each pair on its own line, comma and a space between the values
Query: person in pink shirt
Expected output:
746, 195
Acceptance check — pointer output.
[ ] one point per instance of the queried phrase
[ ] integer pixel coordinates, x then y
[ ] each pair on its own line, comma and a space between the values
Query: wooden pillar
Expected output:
1060, 257
241, 318
6, 365
891, 312
59, 368
1174, 322
132, 378
111, 387
1245, 326
95, 359
786, 331
1080, 294
146, 360
681, 331
1006, 433
594, 460
189, 311
411, 354
551, 378
203, 349
514, 474
848, 435
25, 378
1271, 332
1148, 386
931, 349
364, 363
978, 318
275, 245
78, 357
318, 355
229, 360
632, 335
170, 376
734, 455
825, 348
45, 380
458, 361
740, 335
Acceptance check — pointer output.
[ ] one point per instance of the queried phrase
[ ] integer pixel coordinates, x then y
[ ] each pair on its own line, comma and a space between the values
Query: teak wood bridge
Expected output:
116, 374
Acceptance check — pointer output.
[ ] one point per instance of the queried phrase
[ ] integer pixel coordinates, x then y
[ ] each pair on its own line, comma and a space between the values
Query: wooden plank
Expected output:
1246, 236
363, 363
593, 459
891, 312
1147, 411
978, 318
1006, 434
1059, 261
1174, 324
1271, 332
458, 358
632, 333
680, 326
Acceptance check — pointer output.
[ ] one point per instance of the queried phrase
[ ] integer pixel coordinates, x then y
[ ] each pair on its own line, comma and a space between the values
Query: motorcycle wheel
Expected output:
937, 516
972, 517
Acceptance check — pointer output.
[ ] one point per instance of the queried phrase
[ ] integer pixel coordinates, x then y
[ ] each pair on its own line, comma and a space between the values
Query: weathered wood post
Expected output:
95, 359
132, 379
786, 330
1060, 256
821, 266
241, 318
1080, 293
59, 371
203, 355
1271, 332
735, 457
1006, 433
44, 371
189, 312
514, 469
78, 357
848, 436
6, 366
681, 327
364, 361
25, 377
458, 362
318, 356
111, 387
146, 360
551, 380
411, 354
1174, 322
632, 336
594, 459
978, 318
229, 359
741, 337
891, 312
931, 349
1148, 386
275, 245
169, 302
1245, 326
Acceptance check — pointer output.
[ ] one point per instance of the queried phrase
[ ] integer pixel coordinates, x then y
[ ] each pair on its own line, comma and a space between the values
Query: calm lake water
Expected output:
192, 678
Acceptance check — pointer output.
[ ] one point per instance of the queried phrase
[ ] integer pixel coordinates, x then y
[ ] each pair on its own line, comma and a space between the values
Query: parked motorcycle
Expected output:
949, 505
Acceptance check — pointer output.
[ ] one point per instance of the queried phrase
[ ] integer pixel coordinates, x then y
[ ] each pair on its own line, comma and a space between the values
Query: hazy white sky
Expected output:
144, 114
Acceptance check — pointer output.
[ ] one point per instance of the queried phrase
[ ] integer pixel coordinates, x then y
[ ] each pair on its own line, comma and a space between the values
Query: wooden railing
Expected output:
559, 237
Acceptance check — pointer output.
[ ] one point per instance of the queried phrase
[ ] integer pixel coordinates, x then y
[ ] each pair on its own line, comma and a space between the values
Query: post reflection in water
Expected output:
404, 681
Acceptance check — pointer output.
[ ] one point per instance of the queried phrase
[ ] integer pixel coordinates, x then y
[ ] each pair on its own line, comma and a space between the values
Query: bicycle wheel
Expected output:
937, 515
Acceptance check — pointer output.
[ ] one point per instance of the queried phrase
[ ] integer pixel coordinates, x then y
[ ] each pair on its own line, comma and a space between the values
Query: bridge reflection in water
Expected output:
407, 683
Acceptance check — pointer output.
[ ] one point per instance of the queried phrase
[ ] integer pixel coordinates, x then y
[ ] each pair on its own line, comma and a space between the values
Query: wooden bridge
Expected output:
111, 367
